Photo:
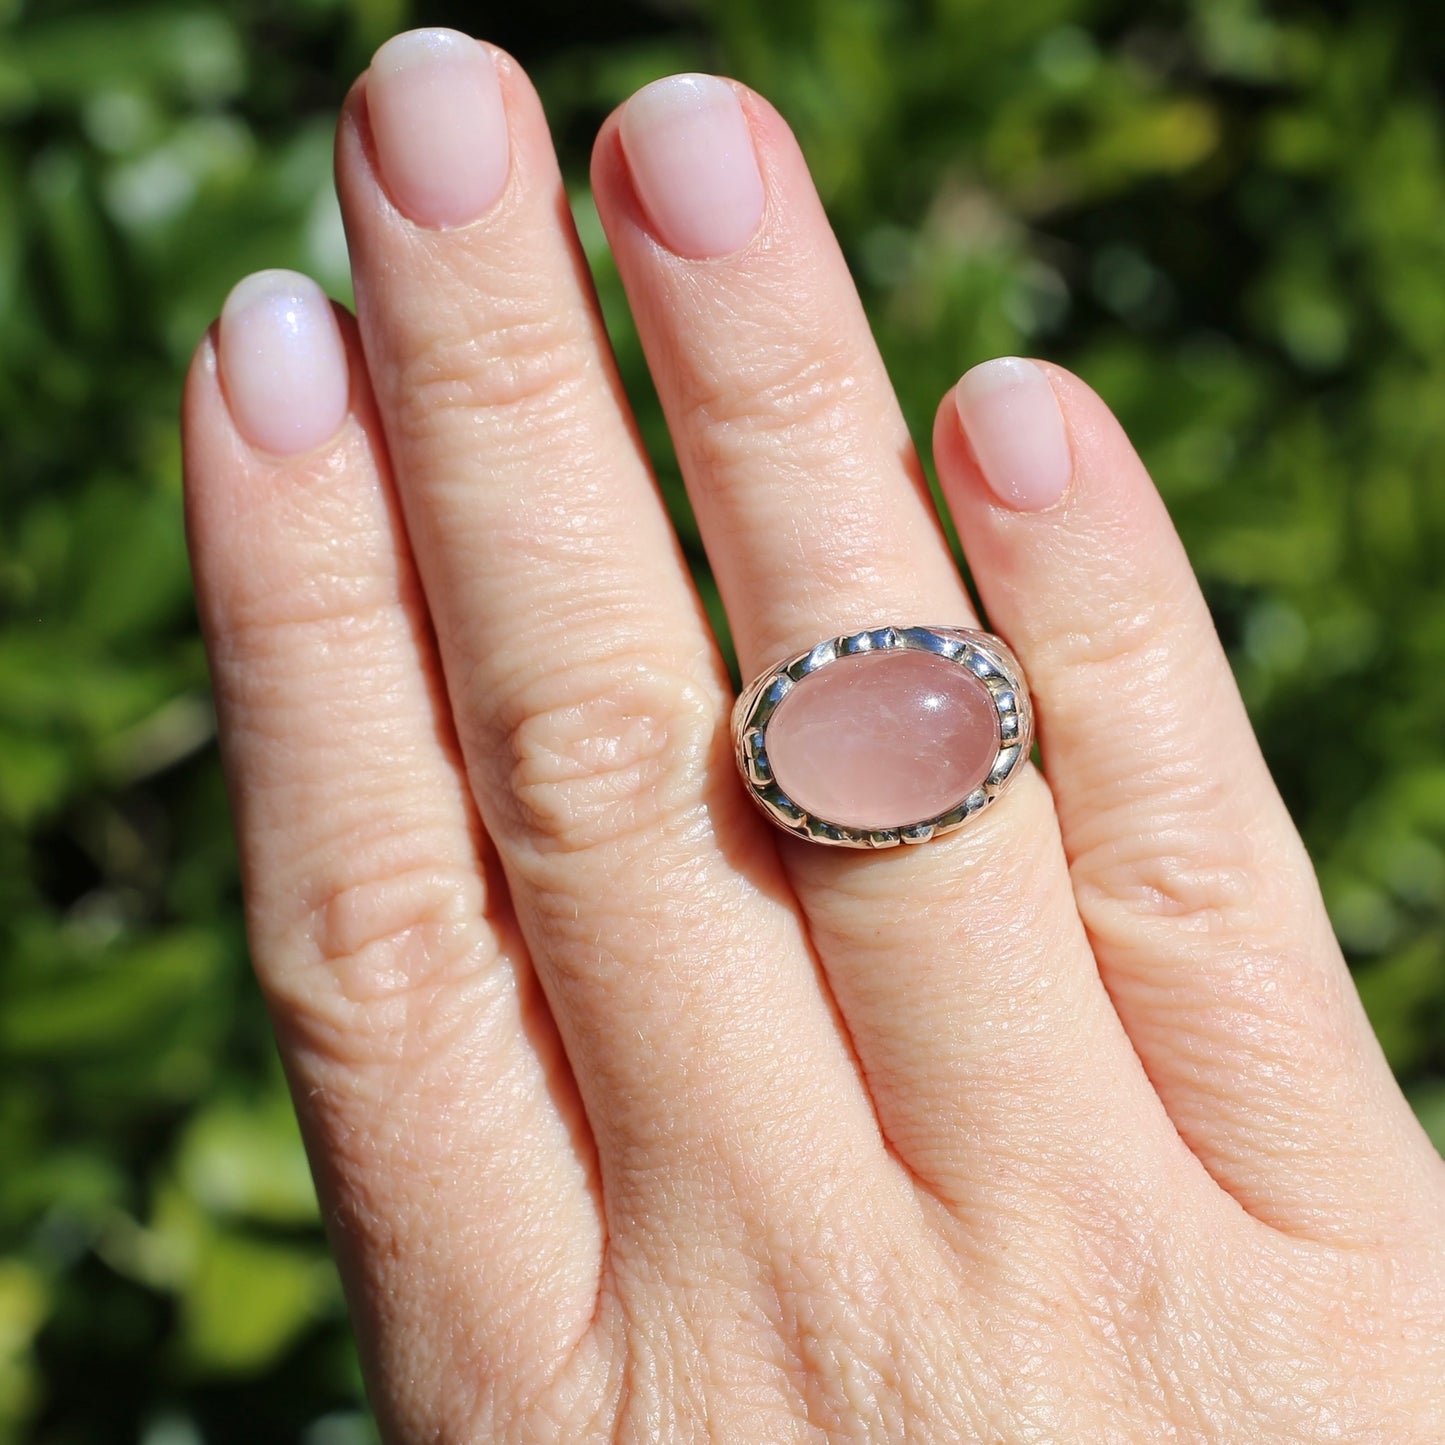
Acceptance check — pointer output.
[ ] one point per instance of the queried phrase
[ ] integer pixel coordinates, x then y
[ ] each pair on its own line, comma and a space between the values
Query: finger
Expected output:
1197, 893
589, 698
960, 967
381, 935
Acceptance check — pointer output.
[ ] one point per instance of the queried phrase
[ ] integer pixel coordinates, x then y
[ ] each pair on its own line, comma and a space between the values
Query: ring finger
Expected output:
961, 967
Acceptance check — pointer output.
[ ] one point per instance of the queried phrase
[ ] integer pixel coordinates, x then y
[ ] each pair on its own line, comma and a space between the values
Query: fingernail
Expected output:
439, 126
691, 155
283, 363
1013, 423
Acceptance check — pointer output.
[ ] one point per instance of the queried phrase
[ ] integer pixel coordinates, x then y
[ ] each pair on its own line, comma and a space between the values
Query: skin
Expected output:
636, 1120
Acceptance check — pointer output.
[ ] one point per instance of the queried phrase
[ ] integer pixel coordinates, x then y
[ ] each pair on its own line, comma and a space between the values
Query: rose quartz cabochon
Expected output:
883, 739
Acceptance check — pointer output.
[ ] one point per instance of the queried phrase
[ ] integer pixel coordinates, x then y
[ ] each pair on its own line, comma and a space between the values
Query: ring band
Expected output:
886, 736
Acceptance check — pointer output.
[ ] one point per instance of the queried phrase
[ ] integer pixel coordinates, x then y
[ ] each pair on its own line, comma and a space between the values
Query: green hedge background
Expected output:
1229, 216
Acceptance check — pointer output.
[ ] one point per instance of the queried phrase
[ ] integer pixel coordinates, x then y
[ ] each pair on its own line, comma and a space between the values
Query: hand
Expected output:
635, 1119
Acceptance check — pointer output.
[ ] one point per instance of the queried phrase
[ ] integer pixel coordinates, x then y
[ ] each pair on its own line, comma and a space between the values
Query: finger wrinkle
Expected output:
533, 379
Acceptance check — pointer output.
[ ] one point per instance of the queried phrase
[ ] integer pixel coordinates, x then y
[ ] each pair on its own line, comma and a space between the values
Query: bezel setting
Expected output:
987, 657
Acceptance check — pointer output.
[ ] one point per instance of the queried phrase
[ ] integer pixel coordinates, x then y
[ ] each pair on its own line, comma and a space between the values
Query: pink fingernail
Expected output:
691, 155
283, 363
1013, 423
440, 128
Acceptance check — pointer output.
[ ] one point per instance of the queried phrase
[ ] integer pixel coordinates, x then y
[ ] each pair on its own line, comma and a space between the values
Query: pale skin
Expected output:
635, 1119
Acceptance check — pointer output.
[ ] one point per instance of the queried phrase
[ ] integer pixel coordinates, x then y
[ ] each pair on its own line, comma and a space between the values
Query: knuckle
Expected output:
785, 404
608, 752
1174, 842
1117, 639
320, 625
524, 360
322, 564
1132, 633
1197, 877
385, 964
354, 920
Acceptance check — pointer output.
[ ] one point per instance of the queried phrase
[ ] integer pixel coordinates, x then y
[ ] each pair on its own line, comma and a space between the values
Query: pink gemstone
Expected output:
883, 739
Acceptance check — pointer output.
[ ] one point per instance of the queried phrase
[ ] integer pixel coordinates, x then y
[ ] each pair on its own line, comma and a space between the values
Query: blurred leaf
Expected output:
109, 999
135, 578
1402, 995
76, 246
24, 1302
247, 1162
248, 1300
192, 51
1428, 1101
33, 775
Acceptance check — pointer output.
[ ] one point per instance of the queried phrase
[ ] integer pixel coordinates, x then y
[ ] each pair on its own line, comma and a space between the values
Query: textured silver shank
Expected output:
988, 657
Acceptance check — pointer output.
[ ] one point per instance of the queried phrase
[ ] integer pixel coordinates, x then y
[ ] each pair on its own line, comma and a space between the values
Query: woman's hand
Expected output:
633, 1118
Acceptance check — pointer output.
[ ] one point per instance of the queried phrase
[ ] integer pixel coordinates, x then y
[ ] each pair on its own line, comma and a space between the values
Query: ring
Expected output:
891, 735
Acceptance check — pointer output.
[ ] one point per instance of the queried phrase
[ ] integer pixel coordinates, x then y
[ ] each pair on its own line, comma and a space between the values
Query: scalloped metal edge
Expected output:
988, 657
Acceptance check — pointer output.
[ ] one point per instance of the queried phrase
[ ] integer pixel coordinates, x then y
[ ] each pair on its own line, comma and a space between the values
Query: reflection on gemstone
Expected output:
883, 739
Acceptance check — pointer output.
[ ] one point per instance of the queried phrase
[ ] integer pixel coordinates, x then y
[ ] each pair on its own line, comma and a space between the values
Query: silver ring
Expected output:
836, 751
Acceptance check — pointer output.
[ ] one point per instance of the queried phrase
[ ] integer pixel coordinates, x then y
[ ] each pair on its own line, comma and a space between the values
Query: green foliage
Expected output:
1229, 217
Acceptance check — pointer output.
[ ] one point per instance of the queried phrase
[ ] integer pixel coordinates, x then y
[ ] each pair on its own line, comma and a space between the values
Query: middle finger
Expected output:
587, 696
961, 966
